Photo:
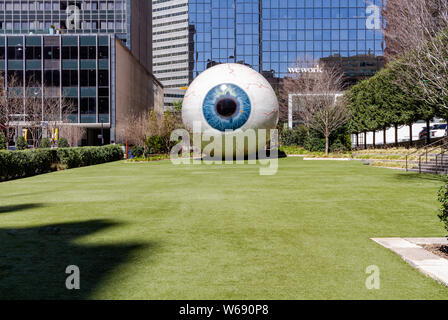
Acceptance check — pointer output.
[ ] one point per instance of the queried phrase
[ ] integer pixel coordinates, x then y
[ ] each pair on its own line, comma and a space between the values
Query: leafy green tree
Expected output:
379, 103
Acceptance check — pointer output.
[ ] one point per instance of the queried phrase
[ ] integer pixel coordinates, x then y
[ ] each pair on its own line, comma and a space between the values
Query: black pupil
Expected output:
226, 107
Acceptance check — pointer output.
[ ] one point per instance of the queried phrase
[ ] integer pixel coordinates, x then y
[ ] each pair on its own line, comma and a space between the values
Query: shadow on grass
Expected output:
413, 176
19, 207
33, 260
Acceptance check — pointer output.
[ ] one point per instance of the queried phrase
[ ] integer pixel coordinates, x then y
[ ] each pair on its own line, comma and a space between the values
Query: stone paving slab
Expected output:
411, 251
425, 241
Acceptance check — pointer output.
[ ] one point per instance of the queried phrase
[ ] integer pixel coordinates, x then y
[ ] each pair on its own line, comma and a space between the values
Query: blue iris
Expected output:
226, 107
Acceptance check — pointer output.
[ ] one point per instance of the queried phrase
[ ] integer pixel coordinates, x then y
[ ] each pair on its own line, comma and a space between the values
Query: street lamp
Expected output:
102, 133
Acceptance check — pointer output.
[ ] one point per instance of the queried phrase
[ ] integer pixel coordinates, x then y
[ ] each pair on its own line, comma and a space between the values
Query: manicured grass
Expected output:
158, 231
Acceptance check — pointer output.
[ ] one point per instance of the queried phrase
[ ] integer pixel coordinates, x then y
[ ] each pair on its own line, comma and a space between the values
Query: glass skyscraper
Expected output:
272, 35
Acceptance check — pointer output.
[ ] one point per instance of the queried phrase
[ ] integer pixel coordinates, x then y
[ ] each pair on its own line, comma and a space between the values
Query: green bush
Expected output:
87, 156
24, 163
137, 151
156, 145
45, 143
21, 143
315, 144
2, 141
443, 198
294, 137
63, 143
338, 147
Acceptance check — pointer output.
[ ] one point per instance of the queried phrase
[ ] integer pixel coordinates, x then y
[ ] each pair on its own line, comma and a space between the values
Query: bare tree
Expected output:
409, 23
11, 106
34, 115
293, 84
44, 111
417, 33
135, 129
319, 108
57, 112
72, 133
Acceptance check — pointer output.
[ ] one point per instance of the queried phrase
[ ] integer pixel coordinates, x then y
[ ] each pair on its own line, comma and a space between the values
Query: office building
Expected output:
98, 54
273, 35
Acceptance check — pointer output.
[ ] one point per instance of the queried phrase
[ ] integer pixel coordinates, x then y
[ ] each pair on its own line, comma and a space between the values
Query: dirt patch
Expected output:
438, 249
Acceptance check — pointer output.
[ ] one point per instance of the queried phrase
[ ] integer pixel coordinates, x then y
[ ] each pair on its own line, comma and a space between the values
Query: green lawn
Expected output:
158, 231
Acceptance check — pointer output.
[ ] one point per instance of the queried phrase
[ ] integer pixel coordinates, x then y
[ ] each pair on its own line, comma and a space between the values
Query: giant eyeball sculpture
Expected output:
230, 99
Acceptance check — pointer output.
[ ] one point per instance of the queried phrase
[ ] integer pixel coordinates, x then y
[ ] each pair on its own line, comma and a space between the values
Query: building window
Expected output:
87, 52
69, 78
103, 78
33, 77
70, 53
88, 78
51, 53
33, 53
88, 110
51, 78
15, 53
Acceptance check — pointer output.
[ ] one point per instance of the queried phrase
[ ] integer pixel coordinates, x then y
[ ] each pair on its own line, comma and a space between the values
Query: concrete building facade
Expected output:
96, 54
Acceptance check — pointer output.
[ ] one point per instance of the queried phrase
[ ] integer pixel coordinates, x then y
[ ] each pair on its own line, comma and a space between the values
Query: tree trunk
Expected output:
410, 136
7, 138
357, 140
396, 135
385, 136
374, 139
428, 131
327, 145
365, 140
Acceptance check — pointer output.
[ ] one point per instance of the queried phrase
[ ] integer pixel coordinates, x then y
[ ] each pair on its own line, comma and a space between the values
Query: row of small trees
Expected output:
414, 85
380, 103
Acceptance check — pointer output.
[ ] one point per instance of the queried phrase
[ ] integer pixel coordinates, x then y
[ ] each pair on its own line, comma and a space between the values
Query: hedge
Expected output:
88, 156
26, 163
443, 199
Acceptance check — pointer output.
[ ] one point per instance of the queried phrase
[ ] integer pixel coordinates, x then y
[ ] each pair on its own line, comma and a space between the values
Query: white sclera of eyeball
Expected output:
264, 104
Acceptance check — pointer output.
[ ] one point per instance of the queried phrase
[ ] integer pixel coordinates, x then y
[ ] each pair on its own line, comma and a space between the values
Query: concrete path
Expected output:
411, 251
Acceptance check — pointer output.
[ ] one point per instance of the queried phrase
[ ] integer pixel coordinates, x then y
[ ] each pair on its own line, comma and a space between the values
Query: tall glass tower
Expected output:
272, 35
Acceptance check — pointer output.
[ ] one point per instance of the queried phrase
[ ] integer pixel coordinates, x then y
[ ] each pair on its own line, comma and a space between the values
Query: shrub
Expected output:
63, 143
443, 198
295, 137
21, 143
87, 156
338, 146
2, 141
315, 144
24, 163
137, 151
155, 145
45, 143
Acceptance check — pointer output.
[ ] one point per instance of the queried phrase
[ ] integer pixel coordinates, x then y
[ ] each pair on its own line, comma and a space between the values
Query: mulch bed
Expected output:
440, 250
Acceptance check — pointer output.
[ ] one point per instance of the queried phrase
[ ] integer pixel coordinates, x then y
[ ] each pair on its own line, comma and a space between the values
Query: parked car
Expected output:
422, 134
439, 131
